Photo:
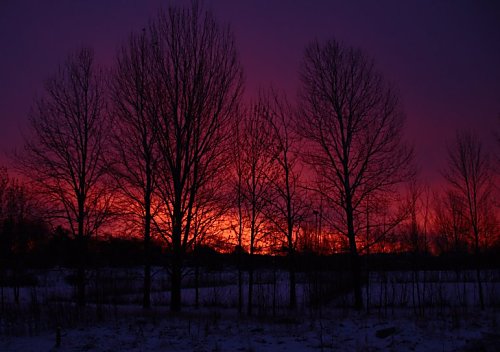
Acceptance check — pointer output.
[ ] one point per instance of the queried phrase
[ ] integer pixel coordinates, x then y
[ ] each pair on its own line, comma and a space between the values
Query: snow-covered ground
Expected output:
113, 321
205, 331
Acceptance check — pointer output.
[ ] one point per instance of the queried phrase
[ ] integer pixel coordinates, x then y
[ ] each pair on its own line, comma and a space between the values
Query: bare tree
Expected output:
450, 223
134, 157
416, 224
208, 220
64, 151
287, 206
197, 86
23, 229
255, 177
414, 231
354, 125
452, 234
469, 173
237, 167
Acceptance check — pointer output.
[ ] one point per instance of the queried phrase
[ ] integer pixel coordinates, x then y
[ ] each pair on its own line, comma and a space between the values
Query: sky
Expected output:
443, 57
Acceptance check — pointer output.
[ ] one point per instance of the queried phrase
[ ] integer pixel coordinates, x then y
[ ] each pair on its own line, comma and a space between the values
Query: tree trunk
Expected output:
176, 277
177, 257
478, 273
197, 282
82, 253
240, 284
80, 285
368, 293
292, 281
355, 262
275, 279
80, 273
356, 275
240, 249
250, 285
146, 299
15, 284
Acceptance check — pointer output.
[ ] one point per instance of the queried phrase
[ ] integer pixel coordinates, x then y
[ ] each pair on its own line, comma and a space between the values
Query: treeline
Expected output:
161, 146
48, 250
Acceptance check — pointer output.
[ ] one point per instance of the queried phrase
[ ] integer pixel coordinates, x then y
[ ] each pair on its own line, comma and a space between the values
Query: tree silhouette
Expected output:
238, 169
208, 220
414, 232
469, 173
257, 161
22, 229
354, 125
451, 223
197, 85
287, 206
134, 158
64, 151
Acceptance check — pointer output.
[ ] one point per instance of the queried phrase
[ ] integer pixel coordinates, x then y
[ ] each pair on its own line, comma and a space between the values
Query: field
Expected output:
407, 311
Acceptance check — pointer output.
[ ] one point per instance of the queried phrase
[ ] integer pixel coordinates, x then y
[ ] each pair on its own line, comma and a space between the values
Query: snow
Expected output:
209, 331
121, 325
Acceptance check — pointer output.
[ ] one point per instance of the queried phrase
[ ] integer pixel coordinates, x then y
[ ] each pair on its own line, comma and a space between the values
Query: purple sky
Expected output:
443, 56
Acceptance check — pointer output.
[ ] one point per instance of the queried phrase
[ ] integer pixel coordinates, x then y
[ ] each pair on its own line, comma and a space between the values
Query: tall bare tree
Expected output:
470, 174
287, 206
65, 148
255, 181
353, 122
134, 157
198, 82
238, 173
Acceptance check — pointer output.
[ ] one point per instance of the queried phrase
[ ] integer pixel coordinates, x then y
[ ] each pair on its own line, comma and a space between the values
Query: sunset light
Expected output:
215, 175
